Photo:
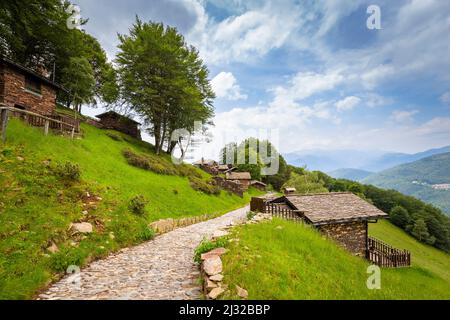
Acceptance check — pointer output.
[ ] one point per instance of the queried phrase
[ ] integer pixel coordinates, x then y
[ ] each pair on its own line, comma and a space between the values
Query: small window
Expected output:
33, 85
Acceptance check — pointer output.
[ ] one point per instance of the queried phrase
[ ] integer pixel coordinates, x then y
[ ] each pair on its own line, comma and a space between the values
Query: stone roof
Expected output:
203, 162
31, 72
117, 116
258, 182
327, 208
239, 176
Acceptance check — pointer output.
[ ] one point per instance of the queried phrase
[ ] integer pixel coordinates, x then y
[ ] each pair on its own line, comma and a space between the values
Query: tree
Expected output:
34, 33
307, 183
163, 80
400, 216
82, 82
420, 231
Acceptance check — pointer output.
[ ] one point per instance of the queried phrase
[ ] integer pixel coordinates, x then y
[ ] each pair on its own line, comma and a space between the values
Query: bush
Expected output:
158, 165
204, 186
137, 205
114, 136
175, 192
68, 171
207, 246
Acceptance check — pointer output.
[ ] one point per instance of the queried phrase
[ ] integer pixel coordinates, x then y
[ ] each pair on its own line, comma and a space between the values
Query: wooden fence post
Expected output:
73, 133
46, 125
4, 123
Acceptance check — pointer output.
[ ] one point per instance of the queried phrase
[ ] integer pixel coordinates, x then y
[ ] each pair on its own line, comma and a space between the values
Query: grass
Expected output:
423, 256
297, 263
37, 204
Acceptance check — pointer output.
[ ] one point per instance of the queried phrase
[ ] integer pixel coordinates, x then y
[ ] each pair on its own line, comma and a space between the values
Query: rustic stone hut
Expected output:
25, 89
243, 178
288, 190
259, 185
343, 217
114, 121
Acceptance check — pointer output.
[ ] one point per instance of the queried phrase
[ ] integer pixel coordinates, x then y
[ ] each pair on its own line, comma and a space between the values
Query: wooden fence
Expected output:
283, 212
64, 124
384, 255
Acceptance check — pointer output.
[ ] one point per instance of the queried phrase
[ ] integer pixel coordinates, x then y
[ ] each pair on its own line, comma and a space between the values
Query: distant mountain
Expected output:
350, 174
427, 179
331, 160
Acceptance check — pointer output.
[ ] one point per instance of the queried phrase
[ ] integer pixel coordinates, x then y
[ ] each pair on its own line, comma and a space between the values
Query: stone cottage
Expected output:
25, 89
114, 121
243, 178
343, 217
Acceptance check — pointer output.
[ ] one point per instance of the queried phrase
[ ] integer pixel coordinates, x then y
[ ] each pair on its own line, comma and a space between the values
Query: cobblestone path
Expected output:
159, 269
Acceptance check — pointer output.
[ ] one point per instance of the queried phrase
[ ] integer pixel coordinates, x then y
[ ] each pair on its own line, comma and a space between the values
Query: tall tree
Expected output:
35, 33
163, 80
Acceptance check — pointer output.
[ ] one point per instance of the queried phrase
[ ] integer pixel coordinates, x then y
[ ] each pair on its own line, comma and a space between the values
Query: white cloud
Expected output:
251, 34
348, 103
225, 86
403, 116
445, 98
304, 85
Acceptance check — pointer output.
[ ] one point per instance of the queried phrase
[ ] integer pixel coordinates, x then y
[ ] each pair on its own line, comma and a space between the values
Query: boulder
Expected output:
212, 265
210, 285
216, 278
219, 234
84, 227
216, 252
215, 293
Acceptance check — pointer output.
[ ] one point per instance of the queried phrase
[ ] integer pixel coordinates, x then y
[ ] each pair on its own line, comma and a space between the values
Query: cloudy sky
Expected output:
311, 69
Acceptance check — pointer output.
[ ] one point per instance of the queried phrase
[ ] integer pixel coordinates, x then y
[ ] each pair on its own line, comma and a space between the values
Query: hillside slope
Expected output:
37, 205
417, 179
350, 174
283, 260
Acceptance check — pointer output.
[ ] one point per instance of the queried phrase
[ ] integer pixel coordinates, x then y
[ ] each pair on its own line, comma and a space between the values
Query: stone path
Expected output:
162, 269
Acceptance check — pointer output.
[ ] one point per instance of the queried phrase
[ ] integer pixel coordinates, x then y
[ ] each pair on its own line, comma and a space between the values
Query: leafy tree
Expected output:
163, 80
81, 82
400, 216
420, 230
34, 33
307, 183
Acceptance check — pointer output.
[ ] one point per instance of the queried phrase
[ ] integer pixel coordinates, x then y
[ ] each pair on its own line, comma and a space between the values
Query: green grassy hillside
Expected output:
37, 204
416, 179
283, 260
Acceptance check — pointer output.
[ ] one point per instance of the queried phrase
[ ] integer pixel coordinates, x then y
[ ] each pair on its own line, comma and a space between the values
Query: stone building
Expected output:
114, 121
343, 217
243, 178
25, 89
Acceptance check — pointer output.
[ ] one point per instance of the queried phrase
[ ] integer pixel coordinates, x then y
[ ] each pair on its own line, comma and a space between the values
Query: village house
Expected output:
288, 191
242, 178
258, 185
25, 89
114, 121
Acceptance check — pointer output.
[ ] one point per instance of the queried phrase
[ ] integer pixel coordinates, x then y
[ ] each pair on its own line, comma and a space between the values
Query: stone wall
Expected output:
231, 186
167, 225
14, 93
352, 236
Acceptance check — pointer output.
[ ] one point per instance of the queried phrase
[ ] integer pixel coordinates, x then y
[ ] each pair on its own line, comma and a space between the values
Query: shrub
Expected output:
400, 216
158, 165
68, 171
137, 205
207, 246
175, 192
251, 215
188, 171
114, 136
146, 233
204, 186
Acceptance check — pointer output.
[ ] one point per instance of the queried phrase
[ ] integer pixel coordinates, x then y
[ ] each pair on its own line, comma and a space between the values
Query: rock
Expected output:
219, 234
85, 212
53, 248
242, 292
84, 227
216, 252
112, 236
215, 293
98, 198
163, 226
279, 228
212, 265
210, 285
216, 278
20, 159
